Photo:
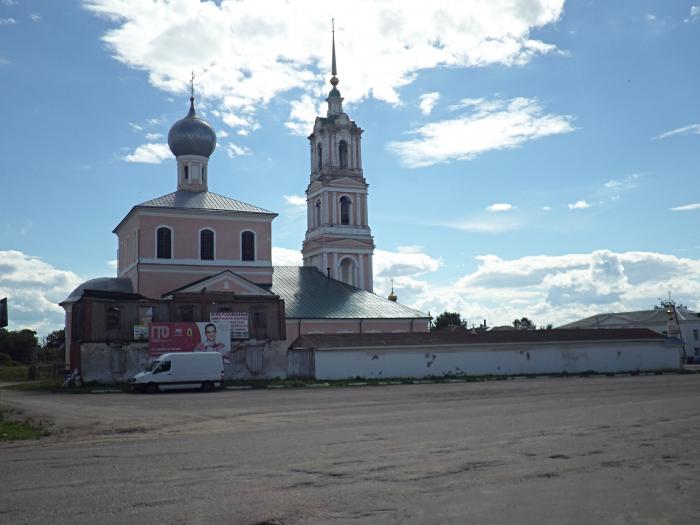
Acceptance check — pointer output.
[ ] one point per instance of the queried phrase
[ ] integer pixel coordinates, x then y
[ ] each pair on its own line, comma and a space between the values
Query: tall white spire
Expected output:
335, 101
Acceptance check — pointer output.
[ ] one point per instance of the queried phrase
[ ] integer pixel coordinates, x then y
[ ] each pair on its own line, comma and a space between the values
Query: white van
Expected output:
204, 370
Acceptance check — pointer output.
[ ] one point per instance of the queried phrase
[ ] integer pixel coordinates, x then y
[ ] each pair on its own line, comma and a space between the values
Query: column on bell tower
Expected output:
338, 239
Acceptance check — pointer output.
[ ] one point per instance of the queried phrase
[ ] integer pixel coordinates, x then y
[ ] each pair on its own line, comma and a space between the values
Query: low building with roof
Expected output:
671, 321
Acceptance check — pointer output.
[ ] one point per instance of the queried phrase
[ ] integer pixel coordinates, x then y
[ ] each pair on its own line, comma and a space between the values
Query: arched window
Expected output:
348, 271
345, 210
343, 154
206, 245
319, 149
187, 172
248, 246
317, 211
164, 243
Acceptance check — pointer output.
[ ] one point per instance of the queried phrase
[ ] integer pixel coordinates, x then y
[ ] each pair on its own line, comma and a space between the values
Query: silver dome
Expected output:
192, 136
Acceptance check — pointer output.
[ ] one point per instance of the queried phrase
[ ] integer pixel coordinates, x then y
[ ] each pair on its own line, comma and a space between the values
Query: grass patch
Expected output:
14, 429
43, 385
13, 373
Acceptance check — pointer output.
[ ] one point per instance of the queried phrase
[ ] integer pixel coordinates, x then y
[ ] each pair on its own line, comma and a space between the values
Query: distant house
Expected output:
656, 320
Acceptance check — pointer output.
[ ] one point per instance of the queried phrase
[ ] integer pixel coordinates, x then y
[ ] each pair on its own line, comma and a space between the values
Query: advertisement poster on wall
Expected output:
214, 336
238, 320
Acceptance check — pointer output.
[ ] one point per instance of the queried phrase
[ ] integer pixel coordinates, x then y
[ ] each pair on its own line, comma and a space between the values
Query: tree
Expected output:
55, 339
446, 319
524, 324
19, 344
666, 303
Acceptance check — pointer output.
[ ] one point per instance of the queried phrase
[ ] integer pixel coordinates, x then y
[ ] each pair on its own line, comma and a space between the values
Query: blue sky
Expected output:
534, 158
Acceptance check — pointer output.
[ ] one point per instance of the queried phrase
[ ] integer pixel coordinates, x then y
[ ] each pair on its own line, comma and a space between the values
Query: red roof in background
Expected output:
445, 337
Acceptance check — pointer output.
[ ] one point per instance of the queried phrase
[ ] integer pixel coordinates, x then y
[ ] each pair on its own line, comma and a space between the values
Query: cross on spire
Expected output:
192, 86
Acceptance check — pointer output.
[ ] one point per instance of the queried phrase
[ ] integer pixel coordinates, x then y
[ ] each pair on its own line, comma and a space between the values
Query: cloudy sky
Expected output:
525, 157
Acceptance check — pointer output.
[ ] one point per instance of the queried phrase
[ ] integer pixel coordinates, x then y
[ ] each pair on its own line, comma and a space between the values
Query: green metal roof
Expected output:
308, 294
201, 200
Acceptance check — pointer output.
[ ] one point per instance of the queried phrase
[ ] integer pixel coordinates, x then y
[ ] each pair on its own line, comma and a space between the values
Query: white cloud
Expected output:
245, 53
302, 115
490, 125
428, 101
135, 127
286, 257
491, 224
9, 3
499, 206
579, 205
624, 183
112, 264
7, 21
563, 288
154, 136
546, 208
221, 134
411, 248
403, 267
687, 207
693, 129
34, 17
34, 288
296, 200
694, 11
234, 150
150, 154
4, 61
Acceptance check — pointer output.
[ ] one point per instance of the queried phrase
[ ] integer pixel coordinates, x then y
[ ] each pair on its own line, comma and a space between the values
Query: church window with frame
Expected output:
319, 150
248, 246
317, 211
345, 203
343, 154
164, 243
206, 245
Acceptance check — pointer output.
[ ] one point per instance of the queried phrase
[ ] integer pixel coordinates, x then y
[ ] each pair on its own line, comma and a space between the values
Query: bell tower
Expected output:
338, 238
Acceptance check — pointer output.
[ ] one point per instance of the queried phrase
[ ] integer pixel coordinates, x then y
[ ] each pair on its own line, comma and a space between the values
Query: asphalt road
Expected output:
582, 450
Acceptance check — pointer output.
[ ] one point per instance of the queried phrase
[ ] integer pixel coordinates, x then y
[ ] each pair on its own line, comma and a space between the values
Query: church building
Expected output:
192, 254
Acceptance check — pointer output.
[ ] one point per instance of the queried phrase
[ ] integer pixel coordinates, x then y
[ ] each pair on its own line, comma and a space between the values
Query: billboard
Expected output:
214, 336
238, 320
3, 312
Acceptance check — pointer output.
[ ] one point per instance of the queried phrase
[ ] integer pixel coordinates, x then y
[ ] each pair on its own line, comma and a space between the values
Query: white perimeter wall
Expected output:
510, 359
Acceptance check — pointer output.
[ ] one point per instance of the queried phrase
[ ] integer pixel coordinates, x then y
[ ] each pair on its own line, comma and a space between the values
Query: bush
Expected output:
6, 360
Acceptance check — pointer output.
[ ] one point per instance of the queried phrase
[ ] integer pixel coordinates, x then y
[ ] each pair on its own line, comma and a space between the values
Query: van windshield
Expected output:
153, 366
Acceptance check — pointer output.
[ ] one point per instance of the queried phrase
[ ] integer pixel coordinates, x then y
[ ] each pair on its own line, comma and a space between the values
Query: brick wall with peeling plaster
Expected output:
109, 363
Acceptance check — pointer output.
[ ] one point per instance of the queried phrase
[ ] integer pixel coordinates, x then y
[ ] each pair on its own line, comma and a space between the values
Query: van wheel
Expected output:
207, 386
152, 388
